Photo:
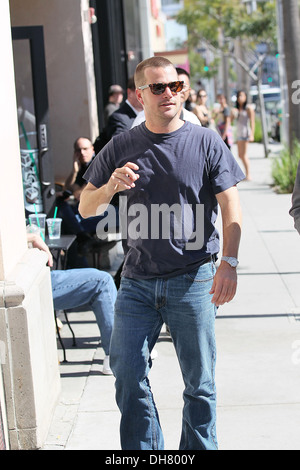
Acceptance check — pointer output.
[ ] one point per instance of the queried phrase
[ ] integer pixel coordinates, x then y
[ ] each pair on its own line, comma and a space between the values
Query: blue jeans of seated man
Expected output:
87, 286
184, 304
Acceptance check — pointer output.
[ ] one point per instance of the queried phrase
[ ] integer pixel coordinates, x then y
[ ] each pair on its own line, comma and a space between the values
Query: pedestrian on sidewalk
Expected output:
168, 163
245, 119
222, 119
201, 110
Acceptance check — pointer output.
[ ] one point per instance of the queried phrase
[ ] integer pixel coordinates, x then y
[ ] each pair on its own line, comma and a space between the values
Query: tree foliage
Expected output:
205, 19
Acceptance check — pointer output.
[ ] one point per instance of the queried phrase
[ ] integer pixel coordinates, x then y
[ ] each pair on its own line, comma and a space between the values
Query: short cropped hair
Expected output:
139, 76
78, 138
182, 71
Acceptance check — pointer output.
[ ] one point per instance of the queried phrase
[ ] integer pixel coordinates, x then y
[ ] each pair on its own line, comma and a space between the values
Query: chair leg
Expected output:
69, 325
59, 337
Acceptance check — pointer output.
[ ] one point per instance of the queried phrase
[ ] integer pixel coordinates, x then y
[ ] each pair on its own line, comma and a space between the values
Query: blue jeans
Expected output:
87, 286
184, 304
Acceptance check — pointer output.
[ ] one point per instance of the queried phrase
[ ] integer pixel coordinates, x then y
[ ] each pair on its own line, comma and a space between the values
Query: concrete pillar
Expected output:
30, 373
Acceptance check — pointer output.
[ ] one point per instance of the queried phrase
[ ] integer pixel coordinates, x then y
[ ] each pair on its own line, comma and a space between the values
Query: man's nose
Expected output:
168, 92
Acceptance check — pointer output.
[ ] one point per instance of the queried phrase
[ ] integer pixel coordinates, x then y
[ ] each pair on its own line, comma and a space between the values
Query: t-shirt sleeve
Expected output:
102, 167
224, 171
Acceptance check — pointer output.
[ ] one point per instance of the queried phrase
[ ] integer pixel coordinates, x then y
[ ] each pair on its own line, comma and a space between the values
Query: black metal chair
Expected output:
60, 338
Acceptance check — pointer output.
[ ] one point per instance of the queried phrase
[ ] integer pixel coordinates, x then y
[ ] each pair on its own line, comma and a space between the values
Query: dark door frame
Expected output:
35, 35
109, 45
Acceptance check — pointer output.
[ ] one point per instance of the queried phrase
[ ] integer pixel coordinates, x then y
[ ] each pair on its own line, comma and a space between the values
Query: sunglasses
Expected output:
159, 88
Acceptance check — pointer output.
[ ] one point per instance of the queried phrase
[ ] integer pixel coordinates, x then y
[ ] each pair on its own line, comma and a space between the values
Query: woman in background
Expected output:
191, 101
223, 121
201, 110
245, 129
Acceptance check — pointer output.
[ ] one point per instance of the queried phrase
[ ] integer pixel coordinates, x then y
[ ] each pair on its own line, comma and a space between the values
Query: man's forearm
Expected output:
231, 238
94, 201
232, 222
70, 180
225, 281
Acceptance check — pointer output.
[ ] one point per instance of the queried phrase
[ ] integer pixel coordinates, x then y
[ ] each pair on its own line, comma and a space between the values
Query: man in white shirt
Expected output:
122, 119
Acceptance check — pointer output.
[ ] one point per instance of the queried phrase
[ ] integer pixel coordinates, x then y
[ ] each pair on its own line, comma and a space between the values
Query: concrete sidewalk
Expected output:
258, 339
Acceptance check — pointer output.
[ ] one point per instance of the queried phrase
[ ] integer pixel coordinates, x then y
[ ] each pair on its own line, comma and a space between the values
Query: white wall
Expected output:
12, 225
70, 75
27, 331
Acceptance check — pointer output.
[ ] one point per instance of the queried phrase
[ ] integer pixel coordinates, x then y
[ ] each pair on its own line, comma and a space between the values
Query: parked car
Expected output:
272, 99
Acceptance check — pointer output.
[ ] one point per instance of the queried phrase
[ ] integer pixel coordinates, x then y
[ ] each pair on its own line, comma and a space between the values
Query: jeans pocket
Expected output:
204, 273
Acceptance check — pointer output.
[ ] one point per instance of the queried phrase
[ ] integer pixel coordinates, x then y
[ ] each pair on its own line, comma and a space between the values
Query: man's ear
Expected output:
139, 96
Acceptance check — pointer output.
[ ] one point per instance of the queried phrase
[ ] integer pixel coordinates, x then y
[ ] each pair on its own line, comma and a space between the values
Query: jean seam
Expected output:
66, 286
200, 280
215, 391
151, 412
154, 419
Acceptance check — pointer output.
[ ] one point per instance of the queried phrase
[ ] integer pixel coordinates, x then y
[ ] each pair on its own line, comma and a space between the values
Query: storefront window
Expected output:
27, 126
132, 34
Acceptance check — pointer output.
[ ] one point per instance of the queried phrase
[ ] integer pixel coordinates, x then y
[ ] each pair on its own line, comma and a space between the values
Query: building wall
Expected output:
179, 58
12, 226
70, 73
29, 385
157, 26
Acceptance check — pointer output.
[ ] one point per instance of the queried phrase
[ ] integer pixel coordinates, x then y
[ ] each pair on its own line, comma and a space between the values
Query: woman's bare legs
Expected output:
242, 151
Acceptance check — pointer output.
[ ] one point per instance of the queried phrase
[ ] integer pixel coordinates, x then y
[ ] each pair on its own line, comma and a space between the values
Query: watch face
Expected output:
233, 262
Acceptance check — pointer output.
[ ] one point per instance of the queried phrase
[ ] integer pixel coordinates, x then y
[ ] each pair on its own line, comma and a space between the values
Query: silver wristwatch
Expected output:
230, 260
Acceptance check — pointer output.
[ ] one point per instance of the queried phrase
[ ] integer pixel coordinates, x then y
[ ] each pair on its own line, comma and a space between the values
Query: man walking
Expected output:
168, 163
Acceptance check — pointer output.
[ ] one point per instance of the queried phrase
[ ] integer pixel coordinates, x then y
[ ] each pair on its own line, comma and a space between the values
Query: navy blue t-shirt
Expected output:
170, 215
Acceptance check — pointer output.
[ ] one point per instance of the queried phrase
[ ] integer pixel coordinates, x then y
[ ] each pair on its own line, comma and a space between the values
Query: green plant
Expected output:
284, 168
258, 136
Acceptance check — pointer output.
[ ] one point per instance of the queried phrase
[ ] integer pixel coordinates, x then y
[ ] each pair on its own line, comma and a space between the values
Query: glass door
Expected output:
33, 118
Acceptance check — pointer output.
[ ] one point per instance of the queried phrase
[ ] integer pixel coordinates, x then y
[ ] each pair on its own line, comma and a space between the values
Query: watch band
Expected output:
233, 262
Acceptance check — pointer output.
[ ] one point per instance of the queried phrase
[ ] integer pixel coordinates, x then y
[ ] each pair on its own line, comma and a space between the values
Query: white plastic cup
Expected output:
38, 220
54, 228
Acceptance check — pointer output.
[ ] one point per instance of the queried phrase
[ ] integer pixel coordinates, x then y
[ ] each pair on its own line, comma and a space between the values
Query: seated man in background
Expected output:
74, 184
82, 157
73, 223
74, 288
